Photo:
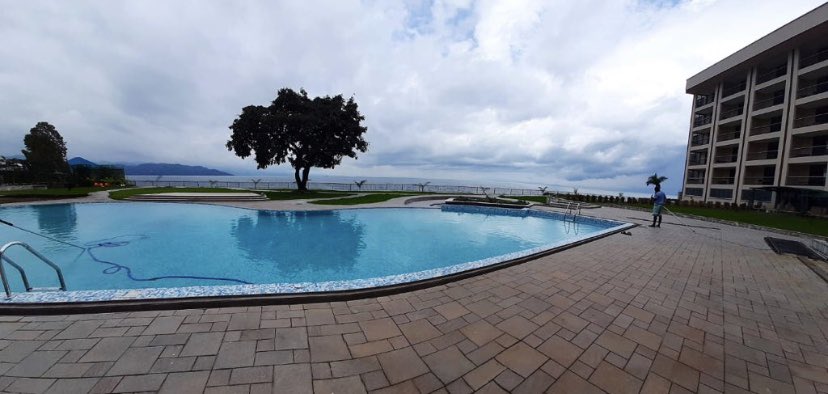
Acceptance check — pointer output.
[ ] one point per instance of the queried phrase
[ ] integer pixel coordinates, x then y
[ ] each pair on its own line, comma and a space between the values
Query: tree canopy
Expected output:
45, 153
655, 179
299, 130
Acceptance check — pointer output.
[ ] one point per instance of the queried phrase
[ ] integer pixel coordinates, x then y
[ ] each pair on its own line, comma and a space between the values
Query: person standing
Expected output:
659, 199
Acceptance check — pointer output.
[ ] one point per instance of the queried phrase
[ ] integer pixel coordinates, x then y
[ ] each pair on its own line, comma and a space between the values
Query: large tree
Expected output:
305, 132
45, 153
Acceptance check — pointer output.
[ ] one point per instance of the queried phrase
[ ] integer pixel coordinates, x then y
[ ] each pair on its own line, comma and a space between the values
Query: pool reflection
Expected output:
58, 220
328, 241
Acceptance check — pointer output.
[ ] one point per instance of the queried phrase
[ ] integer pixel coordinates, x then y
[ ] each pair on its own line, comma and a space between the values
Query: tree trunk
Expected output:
300, 185
302, 179
305, 173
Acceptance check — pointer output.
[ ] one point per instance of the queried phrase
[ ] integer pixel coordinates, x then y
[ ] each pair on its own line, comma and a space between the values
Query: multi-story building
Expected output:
759, 124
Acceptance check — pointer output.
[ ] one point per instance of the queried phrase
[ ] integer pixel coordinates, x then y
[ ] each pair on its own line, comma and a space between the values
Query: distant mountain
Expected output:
170, 169
80, 161
154, 168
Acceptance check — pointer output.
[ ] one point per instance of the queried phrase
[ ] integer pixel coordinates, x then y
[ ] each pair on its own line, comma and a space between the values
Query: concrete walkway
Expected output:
677, 309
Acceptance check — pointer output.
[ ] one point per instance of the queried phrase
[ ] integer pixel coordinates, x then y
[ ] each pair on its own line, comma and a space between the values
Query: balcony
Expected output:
695, 181
731, 112
697, 161
771, 128
806, 151
811, 120
701, 120
768, 102
723, 180
812, 89
728, 135
758, 180
697, 158
763, 155
726, 158
814, 58
702, 100
772, 74
733, 89
700, 139
805, 180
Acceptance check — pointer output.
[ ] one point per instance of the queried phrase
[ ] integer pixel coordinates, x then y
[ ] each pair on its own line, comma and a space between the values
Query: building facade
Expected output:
759, 122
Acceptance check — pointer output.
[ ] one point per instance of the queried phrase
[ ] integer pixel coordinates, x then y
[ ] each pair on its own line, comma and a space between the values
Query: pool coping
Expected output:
126, 300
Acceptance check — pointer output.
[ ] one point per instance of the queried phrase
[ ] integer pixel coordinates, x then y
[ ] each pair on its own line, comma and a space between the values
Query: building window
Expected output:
693, 191
721, 193
756, 195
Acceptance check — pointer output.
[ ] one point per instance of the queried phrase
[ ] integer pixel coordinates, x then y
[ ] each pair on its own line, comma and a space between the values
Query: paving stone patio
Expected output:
661, 310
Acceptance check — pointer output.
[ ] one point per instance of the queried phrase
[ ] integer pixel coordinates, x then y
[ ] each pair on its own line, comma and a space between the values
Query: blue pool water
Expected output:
156, 245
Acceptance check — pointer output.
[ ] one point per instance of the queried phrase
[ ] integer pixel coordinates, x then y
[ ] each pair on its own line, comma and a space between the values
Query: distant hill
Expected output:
154, 168
170, 169
80, 161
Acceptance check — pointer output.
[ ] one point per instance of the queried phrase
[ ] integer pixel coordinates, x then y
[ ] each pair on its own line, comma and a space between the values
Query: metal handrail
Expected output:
729, 158
31, 250
740, 87
763, 154
722, 180
701, 121
20, 270
809, 150
813, 58
773, 73
811, 120
812, 89
758, 180
731, 112
728, 136
768, 128
767, 103
704, 100
700, 139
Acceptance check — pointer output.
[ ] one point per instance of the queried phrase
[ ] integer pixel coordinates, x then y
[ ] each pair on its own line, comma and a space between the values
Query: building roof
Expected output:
811, 26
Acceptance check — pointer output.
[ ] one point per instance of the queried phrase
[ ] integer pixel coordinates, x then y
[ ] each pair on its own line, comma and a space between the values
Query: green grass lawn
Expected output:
783, 221
122, 194
51, 193
296, 195
366, 199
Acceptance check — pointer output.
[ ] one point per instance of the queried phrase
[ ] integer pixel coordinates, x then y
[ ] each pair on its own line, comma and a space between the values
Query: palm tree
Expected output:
655, 179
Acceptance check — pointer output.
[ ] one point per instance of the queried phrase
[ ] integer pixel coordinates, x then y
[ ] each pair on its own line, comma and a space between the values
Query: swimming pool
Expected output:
151, 250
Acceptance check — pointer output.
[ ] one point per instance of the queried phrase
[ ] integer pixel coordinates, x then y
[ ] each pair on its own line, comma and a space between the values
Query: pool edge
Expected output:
80, 307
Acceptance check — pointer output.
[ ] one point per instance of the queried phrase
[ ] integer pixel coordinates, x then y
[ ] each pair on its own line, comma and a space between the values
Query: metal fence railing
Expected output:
768, 128
772, 73
350, 187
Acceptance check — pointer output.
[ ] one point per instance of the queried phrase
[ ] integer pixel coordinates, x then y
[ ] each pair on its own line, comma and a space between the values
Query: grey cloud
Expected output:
588, 93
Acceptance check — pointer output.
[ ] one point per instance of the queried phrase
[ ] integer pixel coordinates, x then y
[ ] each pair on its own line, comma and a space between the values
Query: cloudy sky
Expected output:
565, 93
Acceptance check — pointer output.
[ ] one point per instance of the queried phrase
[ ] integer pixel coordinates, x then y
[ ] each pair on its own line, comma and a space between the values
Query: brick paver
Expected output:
675, 309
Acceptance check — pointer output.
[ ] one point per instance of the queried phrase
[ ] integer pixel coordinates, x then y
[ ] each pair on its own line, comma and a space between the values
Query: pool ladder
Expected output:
573, 210
4, 258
